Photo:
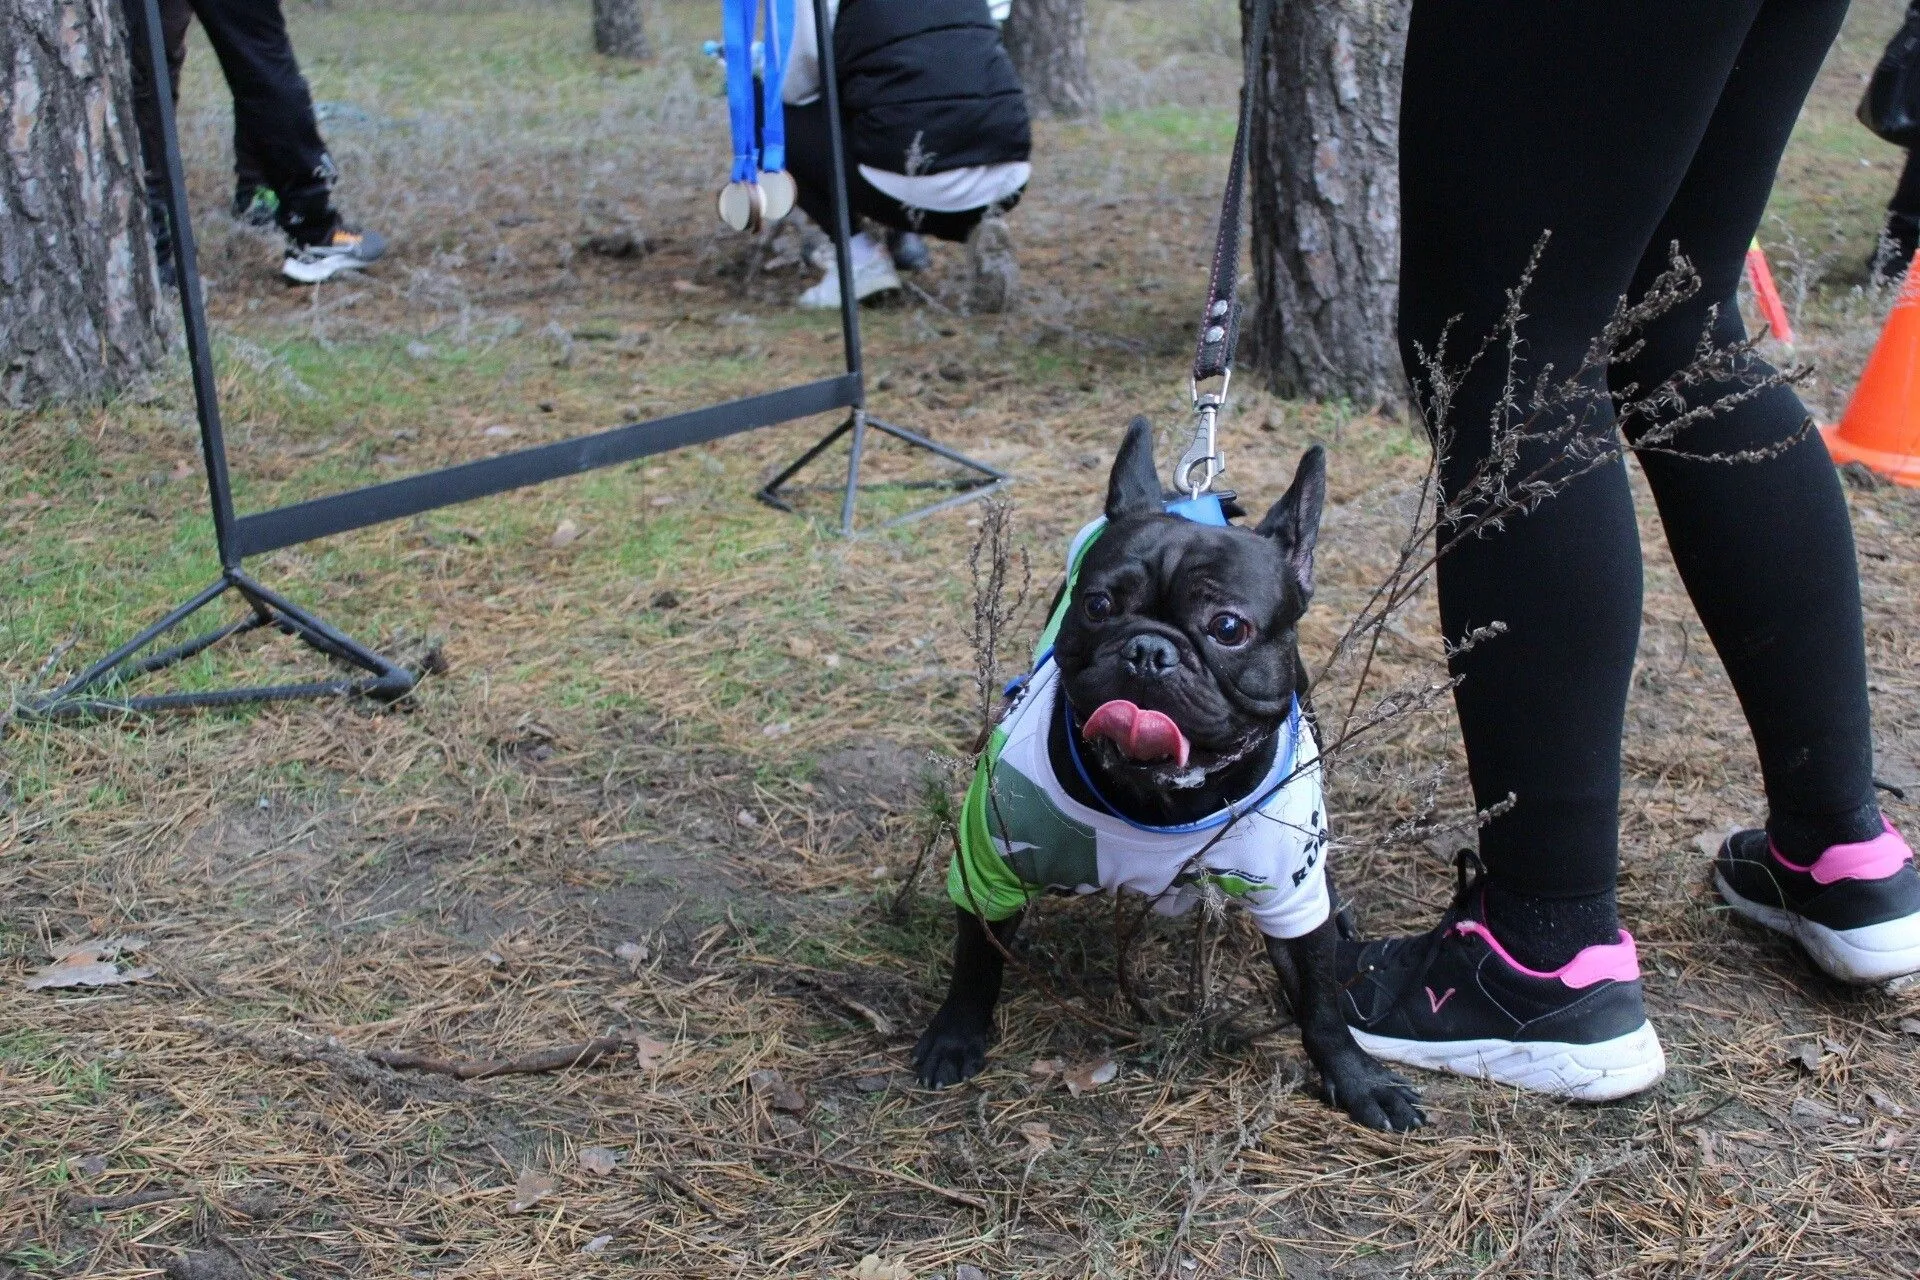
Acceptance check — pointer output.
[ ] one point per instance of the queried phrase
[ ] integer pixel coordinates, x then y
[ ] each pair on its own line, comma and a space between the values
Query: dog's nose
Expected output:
1150, 655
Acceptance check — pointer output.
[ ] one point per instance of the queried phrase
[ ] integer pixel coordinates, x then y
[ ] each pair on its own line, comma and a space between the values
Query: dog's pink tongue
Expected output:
1145, 736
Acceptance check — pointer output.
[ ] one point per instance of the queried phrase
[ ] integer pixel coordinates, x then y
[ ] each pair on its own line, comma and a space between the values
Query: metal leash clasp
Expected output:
1203, 462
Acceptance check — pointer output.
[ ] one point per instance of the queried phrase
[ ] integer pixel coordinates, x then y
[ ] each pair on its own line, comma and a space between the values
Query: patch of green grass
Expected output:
1196, 130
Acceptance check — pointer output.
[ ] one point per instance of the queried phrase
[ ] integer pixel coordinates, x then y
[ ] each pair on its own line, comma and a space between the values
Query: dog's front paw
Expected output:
1370, 1093
952, 1048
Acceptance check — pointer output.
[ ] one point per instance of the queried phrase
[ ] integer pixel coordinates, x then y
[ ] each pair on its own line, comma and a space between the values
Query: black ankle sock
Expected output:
1545, 933
1805, 836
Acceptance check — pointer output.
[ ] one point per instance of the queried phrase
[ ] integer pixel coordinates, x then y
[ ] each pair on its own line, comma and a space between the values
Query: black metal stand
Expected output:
94, 691
985, 479
79, 695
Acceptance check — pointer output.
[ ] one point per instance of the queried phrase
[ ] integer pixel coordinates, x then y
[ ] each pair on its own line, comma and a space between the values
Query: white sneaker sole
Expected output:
315, 272
866, 283
1870, 954
1598, 1072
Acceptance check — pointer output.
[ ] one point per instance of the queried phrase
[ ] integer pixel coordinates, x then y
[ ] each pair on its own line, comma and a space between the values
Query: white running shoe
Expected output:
344, 250
875, 275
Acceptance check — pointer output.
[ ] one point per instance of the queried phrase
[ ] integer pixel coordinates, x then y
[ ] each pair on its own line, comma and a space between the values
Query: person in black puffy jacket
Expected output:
936, 129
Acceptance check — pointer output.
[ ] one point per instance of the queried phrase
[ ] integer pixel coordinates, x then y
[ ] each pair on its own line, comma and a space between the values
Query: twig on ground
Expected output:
872, 1171
558, 1058
126, 1200
694, 1194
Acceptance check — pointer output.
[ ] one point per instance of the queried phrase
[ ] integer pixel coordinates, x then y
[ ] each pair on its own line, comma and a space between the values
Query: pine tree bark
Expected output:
618, 31
1326, 200
1047, 40
80, 309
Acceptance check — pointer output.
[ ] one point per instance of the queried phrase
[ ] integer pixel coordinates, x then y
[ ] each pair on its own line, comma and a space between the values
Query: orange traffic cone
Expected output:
1881, 427
1767, 295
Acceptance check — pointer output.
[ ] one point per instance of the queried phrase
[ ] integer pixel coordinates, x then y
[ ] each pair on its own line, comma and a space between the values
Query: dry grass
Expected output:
642, 738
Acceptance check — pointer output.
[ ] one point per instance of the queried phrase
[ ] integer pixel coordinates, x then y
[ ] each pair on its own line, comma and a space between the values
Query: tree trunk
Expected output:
80, 310
617, 31
1047, 40
1326, 200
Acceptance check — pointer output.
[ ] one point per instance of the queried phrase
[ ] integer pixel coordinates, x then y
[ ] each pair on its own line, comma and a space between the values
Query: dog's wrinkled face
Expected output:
1177, 651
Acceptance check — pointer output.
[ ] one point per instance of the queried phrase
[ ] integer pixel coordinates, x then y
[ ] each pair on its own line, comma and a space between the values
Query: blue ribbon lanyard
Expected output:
768, 150
736, 29
773, 109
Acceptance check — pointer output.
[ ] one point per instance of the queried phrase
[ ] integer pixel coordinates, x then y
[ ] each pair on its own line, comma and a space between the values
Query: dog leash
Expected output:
1203, 461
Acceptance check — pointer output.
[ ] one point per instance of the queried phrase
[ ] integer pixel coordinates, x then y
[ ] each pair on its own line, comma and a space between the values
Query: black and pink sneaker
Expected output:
1453, 999
1855, 908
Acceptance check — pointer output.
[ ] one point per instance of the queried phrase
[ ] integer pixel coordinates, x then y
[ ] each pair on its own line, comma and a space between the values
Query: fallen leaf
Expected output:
1046, 1067
833, 661
599, 1161
747, 818
1039, 1137
688, 286
967, 1272
99, 973
564, 534
1884, 1103
1091, 1075
801, 647
499, 432
1833, 1046
648, 1051
529, 1190
1709, 841
634, 953
1806, 1057
1909, 1025
779, 729
94, 1166
596, 1245
772, 1088
870, 1084
1808, 1109
874, 1267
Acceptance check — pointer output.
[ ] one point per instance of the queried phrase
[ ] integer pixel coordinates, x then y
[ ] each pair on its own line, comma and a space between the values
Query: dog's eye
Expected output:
1099, 606
1230, 629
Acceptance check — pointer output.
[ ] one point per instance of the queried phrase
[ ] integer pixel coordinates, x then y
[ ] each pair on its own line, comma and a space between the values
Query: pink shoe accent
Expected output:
1439, 1002
1874, 859
1619, 961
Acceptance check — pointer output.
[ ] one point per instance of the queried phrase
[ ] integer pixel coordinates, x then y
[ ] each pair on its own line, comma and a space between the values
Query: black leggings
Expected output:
810, 161
1623, 126
271, 105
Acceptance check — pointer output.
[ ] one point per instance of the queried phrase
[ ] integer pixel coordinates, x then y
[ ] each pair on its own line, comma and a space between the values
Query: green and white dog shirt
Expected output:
1021, 834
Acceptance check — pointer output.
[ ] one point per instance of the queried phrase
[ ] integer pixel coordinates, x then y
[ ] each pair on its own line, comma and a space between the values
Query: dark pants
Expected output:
810, 161
1906, 194
1623, 126
273, 111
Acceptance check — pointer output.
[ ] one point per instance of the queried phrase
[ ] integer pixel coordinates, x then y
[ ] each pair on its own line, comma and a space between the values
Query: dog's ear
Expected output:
1294, 521
1133, 489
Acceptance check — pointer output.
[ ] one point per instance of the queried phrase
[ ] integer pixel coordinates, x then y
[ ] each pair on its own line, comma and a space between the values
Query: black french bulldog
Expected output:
1190, 628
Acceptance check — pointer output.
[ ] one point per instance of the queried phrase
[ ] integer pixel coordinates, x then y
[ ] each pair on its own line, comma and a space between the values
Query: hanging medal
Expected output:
776, 185
752, 198
741, 201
